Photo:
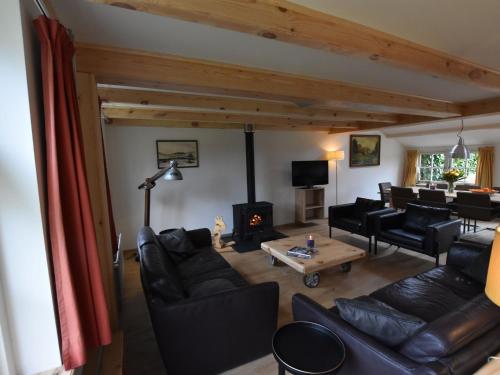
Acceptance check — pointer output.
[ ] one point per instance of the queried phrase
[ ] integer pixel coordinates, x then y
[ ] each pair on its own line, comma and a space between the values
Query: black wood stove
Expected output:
252, 220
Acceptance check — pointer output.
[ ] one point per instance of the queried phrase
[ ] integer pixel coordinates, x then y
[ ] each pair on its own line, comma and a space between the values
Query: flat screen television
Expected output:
309, 173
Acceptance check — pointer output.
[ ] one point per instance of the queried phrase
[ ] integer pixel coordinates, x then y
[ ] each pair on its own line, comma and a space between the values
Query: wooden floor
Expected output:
140, 352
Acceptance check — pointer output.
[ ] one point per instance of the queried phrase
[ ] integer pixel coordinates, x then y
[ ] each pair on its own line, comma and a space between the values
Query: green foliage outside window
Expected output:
432, 166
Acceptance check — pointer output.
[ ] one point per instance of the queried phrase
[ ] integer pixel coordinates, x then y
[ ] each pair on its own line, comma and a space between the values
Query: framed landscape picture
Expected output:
364, 150
185, 152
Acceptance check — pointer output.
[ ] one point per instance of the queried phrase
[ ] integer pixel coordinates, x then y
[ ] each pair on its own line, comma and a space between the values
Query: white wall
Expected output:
220, 180
24, 271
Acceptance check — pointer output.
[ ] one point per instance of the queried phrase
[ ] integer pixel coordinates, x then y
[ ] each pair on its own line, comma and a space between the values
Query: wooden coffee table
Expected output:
330, 253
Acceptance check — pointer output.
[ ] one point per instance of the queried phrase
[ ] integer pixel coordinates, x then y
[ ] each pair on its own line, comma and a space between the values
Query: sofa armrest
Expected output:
364, 354
341, 210
440, 236
388, 221
214, 333
462, 253
369, 218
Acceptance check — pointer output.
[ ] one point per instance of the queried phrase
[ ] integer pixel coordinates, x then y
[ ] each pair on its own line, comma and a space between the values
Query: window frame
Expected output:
448, 162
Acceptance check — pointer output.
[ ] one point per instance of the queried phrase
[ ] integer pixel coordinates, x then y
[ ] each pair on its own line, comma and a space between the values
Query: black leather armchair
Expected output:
462, 328
205, 316
358, 217
427, 230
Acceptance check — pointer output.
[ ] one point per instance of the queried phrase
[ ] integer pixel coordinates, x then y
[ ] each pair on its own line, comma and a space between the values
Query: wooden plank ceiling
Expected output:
139, 88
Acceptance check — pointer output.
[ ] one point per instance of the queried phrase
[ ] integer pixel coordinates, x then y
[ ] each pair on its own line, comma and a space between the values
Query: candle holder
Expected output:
310, 242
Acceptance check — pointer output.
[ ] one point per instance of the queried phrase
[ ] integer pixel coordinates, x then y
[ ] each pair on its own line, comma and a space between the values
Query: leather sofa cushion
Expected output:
404, 237
417, 217
224, 273
349, 224
379, 320
165, 289
454, 280
478, 268
204, 261
425, 299
159, 273
453, 331
210, 287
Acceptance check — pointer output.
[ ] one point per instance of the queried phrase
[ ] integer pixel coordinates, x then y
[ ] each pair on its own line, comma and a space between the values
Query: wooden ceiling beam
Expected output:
234, 105
285, 21
143, 69
158, 114
438, 130
215, 125
481, 107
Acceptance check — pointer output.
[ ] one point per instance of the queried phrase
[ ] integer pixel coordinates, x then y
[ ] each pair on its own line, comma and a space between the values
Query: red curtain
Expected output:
82, 310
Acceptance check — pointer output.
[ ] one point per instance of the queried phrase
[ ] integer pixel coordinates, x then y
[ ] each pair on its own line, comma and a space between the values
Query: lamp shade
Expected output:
493, 278
173, 173
460, 150
336, 155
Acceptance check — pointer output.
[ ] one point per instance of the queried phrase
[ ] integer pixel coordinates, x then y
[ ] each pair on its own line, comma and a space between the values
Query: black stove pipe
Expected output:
250, 158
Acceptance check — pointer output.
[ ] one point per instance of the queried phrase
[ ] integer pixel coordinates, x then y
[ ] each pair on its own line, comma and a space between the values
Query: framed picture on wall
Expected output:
364, 150
185, 152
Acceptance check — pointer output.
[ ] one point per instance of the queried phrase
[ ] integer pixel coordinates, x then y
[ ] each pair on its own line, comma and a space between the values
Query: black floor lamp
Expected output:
170, 173
336, 155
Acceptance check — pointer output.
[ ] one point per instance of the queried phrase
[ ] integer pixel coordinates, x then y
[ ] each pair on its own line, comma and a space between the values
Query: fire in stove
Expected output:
255, 220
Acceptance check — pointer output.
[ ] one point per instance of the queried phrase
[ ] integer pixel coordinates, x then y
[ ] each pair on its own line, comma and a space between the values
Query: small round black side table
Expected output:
306, 348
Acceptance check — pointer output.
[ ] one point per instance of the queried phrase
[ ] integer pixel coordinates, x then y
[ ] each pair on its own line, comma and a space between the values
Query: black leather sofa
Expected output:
357, 217
205, 316
462, 326
427, 230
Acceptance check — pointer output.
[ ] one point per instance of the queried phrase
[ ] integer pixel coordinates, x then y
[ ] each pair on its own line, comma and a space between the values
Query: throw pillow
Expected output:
478, 268
379, 320
177, 241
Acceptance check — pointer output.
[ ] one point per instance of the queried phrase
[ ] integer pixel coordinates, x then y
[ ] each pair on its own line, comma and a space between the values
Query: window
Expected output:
432, 165
469, 166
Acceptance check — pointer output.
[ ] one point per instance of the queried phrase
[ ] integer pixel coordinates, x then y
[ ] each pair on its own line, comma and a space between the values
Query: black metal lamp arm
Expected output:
149, 183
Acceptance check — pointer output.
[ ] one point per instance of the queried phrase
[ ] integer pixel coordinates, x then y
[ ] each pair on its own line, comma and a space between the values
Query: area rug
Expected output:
251, 245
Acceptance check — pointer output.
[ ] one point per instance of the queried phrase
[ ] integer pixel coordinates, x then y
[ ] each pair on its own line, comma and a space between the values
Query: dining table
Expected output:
495, 197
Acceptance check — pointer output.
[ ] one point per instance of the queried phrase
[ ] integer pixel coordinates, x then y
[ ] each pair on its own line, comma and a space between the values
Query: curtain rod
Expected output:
41, 7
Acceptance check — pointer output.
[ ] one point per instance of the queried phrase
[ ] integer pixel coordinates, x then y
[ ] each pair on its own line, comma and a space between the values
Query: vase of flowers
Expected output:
451, 176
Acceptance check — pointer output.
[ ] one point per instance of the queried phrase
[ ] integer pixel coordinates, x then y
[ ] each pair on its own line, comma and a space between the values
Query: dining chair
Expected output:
441, 186
401, 196
433, 198
385, 188
475, 206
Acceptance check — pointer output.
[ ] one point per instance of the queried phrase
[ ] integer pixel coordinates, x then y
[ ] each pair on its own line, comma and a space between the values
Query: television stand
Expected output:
309, 204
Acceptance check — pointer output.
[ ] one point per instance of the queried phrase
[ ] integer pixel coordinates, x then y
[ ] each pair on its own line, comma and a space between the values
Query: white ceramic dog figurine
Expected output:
219, 229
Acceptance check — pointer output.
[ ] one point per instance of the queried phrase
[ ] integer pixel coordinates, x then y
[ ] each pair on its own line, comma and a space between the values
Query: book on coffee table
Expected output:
301, 252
